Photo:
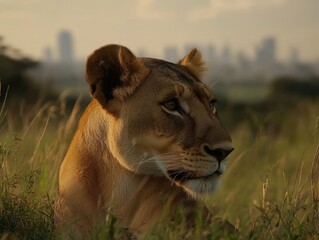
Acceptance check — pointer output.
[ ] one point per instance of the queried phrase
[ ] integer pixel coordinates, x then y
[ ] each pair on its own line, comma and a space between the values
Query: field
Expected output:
270, 190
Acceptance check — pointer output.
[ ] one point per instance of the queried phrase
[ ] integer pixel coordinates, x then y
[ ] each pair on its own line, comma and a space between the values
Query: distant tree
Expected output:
284, 87
13, 67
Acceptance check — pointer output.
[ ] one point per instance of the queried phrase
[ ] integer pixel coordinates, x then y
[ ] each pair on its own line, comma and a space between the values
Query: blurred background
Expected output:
251, 41
263, 64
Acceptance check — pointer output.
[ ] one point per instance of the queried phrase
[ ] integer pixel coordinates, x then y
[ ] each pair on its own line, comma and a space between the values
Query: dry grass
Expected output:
270, 191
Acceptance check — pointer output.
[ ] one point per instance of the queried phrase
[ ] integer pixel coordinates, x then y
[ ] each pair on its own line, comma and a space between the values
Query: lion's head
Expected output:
163, 117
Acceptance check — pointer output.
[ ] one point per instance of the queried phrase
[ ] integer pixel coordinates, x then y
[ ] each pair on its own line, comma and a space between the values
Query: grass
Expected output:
241, 91
270, 190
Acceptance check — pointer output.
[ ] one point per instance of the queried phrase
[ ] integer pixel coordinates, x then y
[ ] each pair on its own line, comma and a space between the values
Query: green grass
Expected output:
271, 186
270, 190
244, 92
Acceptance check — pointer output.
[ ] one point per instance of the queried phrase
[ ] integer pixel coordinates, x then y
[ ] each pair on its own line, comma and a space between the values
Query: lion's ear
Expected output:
193, 61
113, 72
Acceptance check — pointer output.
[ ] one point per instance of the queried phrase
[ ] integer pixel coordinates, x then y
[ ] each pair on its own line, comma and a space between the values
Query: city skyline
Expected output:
32, 25
264, 54
222, 64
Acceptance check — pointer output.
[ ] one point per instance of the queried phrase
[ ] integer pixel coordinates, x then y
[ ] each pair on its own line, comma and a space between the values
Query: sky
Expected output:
32, 25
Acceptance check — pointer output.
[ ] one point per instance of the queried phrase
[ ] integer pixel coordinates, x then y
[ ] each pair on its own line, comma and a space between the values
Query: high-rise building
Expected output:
171, 54
210, 54
47, 55
226, 55
141, 52
266, 53
65, 47
294, 56
243, 60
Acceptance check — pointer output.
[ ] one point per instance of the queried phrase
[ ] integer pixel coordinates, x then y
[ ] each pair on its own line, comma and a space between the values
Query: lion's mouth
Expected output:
181, 176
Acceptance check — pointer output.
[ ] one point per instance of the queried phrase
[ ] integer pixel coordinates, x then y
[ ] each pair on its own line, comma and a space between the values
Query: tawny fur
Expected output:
128, 143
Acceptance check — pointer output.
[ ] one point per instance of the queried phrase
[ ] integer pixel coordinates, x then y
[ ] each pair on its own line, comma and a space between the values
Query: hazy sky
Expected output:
32, 25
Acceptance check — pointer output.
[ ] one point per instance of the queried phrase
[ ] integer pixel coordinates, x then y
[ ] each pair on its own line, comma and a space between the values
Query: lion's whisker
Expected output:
165, 158
130, 149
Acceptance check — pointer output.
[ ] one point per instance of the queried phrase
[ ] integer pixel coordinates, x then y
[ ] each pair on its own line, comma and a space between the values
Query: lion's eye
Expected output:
172, 105
212, 106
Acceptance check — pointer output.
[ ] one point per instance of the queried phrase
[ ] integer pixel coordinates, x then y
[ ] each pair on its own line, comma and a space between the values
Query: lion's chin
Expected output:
200, 187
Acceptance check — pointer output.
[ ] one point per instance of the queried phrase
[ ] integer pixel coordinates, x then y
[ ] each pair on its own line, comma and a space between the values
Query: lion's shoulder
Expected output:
88, 113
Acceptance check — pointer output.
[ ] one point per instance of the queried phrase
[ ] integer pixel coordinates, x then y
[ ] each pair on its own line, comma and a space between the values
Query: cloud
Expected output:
218, 7
145, 10
196, 10
166, 10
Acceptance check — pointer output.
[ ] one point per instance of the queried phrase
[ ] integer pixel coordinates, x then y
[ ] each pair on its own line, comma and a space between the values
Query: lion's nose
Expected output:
220, 153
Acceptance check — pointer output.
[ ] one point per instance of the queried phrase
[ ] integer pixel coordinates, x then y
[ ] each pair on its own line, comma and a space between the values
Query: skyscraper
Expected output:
294, 56
266, 54
65, 47
171, 54
226, 55
210, 54
47, 55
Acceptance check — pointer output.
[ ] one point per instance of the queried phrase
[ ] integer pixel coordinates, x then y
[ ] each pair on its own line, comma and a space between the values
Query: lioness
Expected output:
150, 135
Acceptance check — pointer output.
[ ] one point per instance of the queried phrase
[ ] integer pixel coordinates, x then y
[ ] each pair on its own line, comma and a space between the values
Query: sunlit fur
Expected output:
130, 154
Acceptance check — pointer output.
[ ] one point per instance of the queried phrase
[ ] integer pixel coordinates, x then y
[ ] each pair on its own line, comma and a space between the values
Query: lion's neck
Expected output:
138, 200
